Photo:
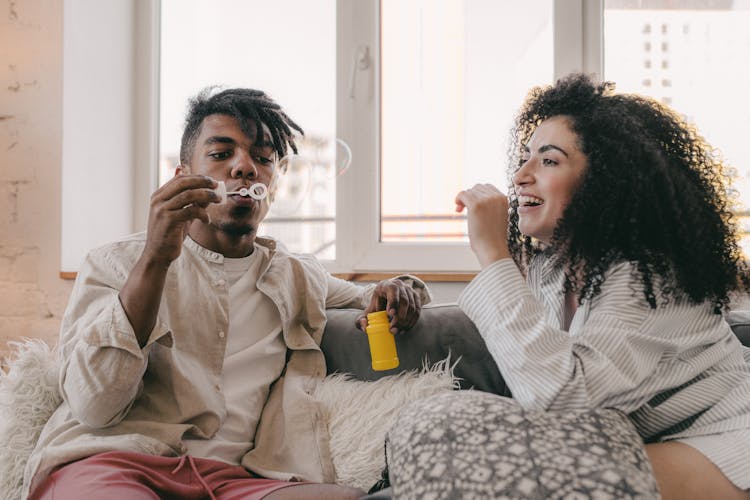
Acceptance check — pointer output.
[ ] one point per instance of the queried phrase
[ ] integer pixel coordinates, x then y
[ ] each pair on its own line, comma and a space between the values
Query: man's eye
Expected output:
220, 155
263, 160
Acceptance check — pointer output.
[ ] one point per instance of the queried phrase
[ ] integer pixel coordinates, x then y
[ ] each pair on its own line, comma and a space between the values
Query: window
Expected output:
452, 75
433, 116
452, 52
421, 91
286, 48
298, 46
703, 72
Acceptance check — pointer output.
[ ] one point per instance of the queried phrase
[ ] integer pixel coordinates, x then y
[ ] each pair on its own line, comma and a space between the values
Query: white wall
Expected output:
32, 296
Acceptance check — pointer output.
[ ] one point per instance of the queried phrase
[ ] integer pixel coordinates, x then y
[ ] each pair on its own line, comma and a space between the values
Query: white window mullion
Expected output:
578, 37
593, 42
357, 100
146, 108
568, 37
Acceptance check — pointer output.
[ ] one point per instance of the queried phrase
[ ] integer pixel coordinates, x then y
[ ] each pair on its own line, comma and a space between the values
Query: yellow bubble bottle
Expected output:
382, 342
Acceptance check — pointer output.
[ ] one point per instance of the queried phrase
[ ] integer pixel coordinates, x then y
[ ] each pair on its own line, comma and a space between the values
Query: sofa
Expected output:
442, 329
441, 353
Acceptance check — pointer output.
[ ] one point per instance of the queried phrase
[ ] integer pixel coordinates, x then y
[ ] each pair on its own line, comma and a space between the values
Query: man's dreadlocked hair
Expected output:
654, 193
246, 106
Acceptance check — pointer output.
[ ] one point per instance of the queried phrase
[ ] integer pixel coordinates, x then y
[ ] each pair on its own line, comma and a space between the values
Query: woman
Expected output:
604, 275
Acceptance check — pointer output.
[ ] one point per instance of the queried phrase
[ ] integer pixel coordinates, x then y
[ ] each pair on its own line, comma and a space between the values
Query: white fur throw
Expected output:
359, 413
28, 397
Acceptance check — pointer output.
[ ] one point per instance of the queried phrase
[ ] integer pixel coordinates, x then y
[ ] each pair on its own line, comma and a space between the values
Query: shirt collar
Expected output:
265, 242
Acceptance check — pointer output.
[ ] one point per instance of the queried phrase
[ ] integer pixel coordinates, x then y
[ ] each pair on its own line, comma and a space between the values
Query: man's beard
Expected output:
237, 229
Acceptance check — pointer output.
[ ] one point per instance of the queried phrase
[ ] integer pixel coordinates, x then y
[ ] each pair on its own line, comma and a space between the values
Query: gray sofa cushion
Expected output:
441, 329
740, 323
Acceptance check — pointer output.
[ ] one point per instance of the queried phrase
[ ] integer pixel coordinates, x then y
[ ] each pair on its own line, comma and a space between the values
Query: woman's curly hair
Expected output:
653, 193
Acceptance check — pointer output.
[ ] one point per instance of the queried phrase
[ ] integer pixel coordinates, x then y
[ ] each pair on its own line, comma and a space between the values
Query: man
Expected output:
189, 352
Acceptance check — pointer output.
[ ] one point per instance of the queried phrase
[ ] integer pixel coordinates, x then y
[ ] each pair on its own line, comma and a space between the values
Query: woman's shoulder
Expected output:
623, 293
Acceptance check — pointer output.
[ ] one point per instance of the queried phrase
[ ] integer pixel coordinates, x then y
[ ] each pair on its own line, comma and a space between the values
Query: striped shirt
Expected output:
678, 370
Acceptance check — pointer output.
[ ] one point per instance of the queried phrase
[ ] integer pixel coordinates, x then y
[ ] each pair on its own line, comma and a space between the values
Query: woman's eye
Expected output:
548, 162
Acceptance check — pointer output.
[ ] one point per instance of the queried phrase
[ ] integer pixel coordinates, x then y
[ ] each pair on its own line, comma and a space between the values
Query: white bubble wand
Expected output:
257, 191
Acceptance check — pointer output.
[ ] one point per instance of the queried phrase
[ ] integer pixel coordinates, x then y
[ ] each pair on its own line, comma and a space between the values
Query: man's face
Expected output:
225, 153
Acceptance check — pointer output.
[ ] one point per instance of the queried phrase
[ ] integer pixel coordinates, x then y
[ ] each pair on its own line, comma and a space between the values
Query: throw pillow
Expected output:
470, 444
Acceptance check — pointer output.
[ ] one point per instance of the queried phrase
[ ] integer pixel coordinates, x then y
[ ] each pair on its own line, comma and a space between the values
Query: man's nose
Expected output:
244, 167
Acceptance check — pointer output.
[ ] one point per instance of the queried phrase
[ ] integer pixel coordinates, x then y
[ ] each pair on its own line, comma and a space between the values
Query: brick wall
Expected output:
32, 296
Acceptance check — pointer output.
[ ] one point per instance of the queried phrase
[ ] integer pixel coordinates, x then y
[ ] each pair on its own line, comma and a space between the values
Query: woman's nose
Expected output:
523, 175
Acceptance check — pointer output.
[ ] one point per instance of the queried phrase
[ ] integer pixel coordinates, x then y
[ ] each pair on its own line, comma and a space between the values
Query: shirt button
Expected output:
220, 283
222, 334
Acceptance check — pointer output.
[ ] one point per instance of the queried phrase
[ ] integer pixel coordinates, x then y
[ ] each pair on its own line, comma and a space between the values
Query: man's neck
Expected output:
228, 244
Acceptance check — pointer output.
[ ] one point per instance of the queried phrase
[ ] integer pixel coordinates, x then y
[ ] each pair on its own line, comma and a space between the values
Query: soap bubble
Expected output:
310, 174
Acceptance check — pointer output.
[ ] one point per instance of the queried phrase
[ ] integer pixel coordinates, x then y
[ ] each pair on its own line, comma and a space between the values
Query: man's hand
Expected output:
184, 198
402, 303
173, 206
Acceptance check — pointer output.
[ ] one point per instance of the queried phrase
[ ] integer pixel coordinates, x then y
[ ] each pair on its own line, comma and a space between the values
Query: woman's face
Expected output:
550, 172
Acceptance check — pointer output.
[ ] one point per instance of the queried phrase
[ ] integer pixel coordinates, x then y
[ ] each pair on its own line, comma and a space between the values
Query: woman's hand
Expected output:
487, 213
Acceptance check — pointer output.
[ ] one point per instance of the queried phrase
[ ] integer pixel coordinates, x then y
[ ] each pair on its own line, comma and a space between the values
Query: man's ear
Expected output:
181, 169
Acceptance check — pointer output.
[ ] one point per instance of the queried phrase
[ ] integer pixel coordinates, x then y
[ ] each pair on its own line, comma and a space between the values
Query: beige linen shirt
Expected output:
118, 396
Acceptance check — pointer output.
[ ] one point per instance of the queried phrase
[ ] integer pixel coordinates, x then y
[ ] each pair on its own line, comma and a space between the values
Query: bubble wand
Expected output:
257, 191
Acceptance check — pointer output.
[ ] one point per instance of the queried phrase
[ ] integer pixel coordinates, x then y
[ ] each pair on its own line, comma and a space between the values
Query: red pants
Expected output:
120, 475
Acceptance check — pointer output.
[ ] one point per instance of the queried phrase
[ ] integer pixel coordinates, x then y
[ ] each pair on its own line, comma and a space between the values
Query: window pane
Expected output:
286, 48
692, 55
453, 74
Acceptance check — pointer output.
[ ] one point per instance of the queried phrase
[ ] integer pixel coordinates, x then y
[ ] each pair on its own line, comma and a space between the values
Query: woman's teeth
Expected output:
526, 201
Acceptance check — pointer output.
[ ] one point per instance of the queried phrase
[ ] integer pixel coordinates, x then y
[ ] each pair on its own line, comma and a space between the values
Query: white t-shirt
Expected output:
254, 359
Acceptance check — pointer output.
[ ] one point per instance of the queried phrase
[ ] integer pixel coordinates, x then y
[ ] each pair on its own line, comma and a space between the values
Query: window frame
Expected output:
110, 122
577, 47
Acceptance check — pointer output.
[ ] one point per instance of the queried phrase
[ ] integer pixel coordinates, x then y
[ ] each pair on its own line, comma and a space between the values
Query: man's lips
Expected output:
242, 200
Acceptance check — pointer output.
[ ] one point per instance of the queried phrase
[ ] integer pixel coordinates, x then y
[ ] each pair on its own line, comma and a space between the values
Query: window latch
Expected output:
361, 62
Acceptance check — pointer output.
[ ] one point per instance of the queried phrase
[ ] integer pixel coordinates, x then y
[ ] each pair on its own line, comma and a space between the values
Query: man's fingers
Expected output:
361, 322
191, 212
183, 182
401, 307
191, 197
399, 300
